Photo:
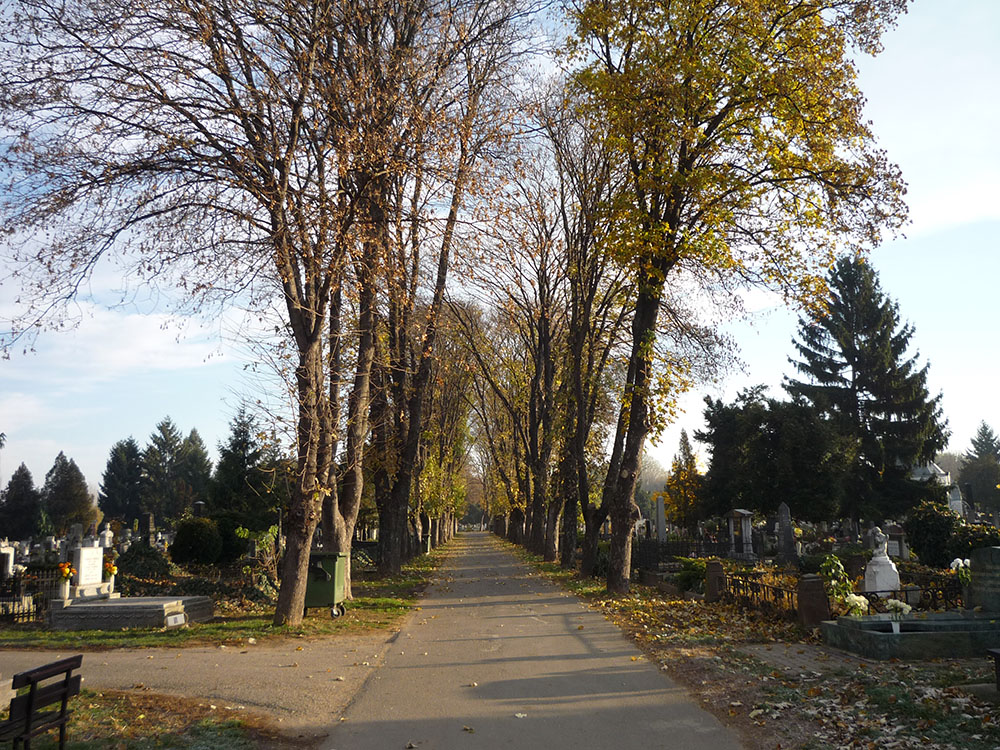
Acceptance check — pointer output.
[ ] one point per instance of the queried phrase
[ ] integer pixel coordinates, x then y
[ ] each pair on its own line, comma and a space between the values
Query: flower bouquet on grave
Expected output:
962, 569
897, 610
856, 604
66, 571
110, 569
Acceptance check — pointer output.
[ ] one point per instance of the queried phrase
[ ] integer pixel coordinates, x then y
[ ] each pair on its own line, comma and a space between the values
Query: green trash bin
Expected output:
326, 582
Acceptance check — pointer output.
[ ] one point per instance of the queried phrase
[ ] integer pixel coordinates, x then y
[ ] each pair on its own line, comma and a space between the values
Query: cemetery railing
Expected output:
24, 597
944, 596
748, 590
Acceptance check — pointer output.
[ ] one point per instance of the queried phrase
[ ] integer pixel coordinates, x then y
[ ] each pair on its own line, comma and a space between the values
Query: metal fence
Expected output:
748, 590
24, 597
931, 597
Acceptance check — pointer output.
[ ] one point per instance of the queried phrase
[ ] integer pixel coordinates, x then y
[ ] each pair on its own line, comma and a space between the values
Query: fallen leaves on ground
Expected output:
880, 705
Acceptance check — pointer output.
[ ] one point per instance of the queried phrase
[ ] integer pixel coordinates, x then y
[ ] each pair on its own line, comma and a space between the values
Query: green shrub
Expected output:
969, 537
197, 541
811, 563
233, 545
692, 574
835, 578
929, 530
140, 561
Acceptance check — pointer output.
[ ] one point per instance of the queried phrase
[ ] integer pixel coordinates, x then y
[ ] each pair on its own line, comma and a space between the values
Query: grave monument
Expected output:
881, 575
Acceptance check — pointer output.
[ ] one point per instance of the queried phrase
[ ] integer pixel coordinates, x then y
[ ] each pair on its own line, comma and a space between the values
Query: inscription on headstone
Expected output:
88, 562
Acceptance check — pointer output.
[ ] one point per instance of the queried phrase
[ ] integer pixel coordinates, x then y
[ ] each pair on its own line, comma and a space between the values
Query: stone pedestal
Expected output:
715, 580
813, 604
882, 576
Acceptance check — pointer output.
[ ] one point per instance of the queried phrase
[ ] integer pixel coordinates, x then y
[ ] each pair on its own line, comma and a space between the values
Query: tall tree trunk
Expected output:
552, 530
306, 502
621, 482
570, 509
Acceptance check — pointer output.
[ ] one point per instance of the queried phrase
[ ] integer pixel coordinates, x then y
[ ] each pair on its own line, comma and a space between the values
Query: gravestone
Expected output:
107, 537
147, 528
661, 519
786, 535
896, 545
6, 562
740, 542
881, 574
984, 588
75, 538
89, 562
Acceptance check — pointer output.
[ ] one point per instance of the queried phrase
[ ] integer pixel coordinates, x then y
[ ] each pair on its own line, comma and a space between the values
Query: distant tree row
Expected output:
172, 473
166, 478
62, 501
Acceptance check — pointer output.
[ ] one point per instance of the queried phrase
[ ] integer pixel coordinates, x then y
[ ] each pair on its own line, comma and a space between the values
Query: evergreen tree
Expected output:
985, 444
193, 471
21, 509
244, 477
160, 490
858, 374
766, 451
65, 496
683, 487
122, 483
980, 473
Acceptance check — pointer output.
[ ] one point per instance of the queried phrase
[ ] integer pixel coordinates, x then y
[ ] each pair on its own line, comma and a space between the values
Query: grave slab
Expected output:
132, 612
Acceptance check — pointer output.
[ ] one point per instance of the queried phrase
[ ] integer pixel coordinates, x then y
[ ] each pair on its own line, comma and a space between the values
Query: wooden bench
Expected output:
30, 712
995, 653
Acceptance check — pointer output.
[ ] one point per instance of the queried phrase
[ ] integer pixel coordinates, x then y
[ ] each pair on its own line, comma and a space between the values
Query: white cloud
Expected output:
110, 344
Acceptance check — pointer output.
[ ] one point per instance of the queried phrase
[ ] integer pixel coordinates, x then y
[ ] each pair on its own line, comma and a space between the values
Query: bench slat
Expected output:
42, 723
44, 696
23, 679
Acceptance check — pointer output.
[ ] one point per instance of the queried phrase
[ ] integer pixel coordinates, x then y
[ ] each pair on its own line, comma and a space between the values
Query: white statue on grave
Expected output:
881, 575
881, 544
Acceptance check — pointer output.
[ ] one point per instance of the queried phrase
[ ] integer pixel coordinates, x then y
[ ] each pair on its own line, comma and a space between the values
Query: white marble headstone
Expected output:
89, 562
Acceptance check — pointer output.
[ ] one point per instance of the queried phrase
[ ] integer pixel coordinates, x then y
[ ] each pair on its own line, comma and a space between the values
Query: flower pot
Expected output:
64, 589
895, 627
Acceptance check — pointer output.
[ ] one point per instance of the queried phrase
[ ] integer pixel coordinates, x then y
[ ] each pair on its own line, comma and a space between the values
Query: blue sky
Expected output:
934, 98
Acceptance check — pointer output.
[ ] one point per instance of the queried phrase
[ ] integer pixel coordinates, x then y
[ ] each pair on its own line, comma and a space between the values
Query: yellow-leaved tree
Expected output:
749, 162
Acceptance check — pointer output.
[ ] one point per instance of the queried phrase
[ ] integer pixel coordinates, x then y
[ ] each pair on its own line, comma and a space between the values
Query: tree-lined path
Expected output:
497, 657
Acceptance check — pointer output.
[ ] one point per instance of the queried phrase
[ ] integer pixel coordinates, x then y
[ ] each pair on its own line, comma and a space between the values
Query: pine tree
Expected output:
65, 495
193, 471
980, 475
858, 373
21, 508
985, 443
243, 484
159, 474
122, 484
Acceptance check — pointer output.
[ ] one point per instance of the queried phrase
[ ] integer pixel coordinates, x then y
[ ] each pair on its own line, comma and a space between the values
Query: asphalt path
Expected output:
497, 657
301, 685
